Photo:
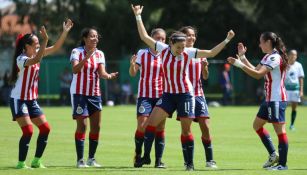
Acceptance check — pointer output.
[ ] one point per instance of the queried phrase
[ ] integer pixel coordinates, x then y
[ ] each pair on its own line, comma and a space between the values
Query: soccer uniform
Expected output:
178, 92
201, 107
85, 85
273, 109
294, 73
25, 91
150, 83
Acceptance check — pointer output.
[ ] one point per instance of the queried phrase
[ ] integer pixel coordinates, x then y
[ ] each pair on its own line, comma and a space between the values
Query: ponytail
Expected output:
20, 44
279, 45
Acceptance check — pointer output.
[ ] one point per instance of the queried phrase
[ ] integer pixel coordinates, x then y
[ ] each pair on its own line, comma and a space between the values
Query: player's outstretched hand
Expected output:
67, 25
137, 10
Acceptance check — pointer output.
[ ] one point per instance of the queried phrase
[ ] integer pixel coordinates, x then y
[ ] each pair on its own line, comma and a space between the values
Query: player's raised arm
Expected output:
141, 29
67, 25
217, 49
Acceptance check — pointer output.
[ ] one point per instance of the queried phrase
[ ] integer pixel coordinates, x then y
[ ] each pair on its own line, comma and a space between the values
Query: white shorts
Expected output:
293, 96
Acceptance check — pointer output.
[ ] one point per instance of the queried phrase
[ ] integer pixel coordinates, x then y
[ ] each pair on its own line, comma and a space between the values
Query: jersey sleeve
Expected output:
192, 52
21, 61
301, 71
159, 46
138, 57
101, 58
74, 55
272, 61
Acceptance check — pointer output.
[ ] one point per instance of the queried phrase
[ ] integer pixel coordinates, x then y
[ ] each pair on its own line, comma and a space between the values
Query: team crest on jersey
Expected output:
159, 102
24, 109
79, 110
141, 109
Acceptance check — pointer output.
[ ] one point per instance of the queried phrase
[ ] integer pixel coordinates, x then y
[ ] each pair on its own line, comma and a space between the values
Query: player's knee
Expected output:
27, 131
44, 128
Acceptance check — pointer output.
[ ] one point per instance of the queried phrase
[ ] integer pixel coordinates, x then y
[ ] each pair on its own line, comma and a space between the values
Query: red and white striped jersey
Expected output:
151, 75
26, 86
195, 68
86, 82
274, 80
175, 69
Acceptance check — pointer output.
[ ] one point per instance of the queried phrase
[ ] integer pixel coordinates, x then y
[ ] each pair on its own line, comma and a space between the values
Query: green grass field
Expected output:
237, 149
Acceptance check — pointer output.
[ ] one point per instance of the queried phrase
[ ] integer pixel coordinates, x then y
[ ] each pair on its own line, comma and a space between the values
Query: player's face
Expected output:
191, 37
265, 46
292, 57
178, 47
32, 49
159, 36
92, 39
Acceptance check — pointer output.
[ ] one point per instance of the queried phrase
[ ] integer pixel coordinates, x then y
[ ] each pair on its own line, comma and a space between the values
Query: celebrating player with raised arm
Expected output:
178, 90
24, 106
273, 68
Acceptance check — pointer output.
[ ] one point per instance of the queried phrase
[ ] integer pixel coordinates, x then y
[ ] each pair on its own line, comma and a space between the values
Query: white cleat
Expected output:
273, 158
92, 163
277, 168
211, 164
81, 164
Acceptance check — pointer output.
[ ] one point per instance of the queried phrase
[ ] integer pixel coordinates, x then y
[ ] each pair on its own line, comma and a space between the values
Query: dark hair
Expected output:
21, 42
185, 29
85, 32
156, 30
177, 37
279, 45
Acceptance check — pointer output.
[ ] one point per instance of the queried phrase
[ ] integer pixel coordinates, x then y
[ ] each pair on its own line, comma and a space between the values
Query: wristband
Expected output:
138, 17
226, 41
238, 64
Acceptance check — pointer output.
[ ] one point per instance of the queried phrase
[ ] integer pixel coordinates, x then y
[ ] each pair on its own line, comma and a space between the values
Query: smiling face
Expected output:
31, 49
178, 47
191, 37
91, 40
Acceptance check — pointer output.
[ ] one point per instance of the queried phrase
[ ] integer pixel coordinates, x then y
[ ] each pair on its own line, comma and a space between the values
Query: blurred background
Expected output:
116, 24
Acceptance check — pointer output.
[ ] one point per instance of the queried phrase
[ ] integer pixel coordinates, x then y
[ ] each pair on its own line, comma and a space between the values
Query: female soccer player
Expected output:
294, 84
24, 107
177, 91
150, 89
88, 65
273, 67
196, 69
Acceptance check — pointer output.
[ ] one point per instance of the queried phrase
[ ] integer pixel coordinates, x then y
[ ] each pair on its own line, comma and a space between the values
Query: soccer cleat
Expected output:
36, 163
91, 162
137, 163
292, 128
189, 167
273, 158
22, 165
146, 161
277, 168
159, 164
81, 164
211, 164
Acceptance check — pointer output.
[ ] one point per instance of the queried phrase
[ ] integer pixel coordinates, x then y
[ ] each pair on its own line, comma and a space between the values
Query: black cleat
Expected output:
160, 164
146, 160
189, 167
137, 161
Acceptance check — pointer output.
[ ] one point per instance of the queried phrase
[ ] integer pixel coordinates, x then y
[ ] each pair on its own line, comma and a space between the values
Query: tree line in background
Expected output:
213, 18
